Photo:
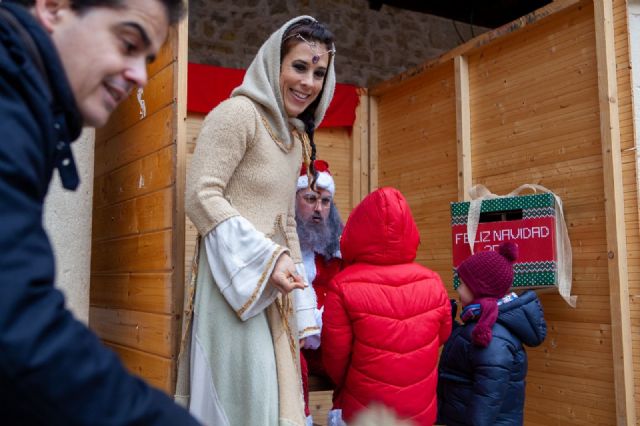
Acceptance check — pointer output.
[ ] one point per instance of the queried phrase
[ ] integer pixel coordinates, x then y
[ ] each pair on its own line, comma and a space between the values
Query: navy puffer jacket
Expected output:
486, 386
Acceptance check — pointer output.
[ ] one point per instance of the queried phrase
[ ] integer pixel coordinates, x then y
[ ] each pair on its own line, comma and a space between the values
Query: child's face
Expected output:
465, 294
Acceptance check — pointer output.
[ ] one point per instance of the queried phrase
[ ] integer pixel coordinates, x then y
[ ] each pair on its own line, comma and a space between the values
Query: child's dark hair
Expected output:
312, 31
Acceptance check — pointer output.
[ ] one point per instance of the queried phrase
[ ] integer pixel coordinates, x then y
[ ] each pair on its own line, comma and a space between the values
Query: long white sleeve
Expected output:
241, 261
305, 304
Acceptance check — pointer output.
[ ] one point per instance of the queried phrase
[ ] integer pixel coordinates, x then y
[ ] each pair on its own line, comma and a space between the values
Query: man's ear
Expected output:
46, 12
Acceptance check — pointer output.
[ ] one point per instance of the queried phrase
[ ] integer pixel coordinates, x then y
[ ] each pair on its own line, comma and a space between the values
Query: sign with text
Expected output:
528, 220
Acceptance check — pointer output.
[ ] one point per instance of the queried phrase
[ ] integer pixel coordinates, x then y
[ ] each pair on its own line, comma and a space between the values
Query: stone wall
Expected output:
372, 45
67, 219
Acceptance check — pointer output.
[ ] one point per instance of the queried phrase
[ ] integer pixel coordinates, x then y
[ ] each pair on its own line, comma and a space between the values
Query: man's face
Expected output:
105, 51
313, 207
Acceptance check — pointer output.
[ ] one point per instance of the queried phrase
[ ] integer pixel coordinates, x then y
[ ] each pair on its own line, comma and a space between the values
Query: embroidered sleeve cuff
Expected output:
241, 261
263, 295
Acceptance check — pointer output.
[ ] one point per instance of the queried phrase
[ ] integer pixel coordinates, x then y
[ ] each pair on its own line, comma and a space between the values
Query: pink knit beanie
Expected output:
489, 275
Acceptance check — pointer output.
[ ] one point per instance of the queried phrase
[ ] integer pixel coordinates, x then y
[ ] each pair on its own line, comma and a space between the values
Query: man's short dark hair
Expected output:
175, 8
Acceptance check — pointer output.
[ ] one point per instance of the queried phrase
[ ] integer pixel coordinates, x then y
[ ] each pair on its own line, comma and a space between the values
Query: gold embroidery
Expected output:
280, 230
273, 135
306, 329
306, 152
188, 310
285, 308
258, 286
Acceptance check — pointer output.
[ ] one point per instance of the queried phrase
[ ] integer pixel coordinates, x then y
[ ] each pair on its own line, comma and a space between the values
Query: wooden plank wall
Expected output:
534, 117
136, 278
416, 127
630, 180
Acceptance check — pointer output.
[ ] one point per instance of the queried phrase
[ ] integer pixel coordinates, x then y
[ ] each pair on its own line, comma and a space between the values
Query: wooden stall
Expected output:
138, 222
544, 100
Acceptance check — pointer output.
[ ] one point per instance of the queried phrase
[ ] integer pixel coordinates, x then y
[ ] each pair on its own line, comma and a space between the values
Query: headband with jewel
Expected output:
314, 47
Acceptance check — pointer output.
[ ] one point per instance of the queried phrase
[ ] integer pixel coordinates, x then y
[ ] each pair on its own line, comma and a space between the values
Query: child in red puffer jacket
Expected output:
385, 316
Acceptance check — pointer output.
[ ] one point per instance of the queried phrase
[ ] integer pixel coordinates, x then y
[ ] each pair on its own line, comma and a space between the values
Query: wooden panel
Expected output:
149, 135
334, 146
146, 292
193, 123
417, 154
360, 151
319, 404
143, 176
373, 143
463, 122
537, 121
179, 240
556, 8
155, 370
139, 330
630, 176
158, 93
166, 55
136, 283
139, 253
614, 208
148, 213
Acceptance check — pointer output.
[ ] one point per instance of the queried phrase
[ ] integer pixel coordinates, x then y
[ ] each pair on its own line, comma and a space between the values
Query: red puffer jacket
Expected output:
385, 316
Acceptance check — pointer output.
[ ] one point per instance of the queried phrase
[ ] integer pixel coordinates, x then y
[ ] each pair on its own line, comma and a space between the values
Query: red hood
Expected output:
380, 230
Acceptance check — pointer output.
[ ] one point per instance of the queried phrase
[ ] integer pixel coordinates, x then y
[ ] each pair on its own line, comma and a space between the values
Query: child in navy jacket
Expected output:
483, 365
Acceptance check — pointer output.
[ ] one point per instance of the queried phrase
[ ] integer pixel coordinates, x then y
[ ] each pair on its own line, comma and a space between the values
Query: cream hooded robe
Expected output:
243, 364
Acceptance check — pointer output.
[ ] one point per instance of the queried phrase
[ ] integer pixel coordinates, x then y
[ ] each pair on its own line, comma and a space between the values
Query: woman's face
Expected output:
300, 79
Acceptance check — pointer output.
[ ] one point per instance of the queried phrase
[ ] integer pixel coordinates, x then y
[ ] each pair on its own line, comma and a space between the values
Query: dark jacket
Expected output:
385, 316
53, 370
486, 386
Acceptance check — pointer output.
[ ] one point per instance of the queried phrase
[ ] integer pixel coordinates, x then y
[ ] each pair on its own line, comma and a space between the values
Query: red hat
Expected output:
324, 181
489, 275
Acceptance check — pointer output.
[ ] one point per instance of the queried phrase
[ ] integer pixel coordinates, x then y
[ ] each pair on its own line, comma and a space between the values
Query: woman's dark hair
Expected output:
175, 8
310, 30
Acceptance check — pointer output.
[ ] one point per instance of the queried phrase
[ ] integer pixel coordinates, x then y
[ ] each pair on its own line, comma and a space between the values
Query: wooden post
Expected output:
463, 123
614, 210
373, 143
180, 79
360, 151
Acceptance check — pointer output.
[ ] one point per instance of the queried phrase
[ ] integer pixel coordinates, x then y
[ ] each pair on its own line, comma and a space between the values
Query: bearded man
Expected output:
319, 228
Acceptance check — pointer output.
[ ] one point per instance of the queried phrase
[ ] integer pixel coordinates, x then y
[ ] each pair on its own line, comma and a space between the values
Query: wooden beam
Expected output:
476, 43
360, 151
614, 210
373, 144
463, 127
179, 225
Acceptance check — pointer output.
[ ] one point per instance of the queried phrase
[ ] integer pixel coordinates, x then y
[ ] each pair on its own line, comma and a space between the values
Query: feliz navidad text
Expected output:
493, 237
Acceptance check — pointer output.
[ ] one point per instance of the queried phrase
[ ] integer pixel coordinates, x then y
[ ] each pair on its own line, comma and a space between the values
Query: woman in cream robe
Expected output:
243, 365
